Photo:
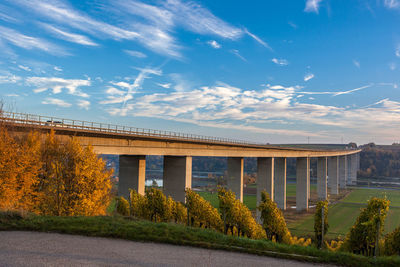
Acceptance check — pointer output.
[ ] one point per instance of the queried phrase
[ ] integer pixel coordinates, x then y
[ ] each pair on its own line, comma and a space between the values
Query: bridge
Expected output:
134, 144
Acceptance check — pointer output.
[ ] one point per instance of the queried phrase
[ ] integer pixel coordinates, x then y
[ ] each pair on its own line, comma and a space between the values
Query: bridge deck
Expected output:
116, 139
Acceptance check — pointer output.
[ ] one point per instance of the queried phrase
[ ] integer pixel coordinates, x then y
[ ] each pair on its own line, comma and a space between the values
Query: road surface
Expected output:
51, 249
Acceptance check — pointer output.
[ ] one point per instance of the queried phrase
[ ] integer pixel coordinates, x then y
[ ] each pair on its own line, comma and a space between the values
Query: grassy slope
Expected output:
343, 215
118, 227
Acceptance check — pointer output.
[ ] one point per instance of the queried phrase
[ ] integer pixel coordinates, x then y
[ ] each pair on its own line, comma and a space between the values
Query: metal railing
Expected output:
57, 123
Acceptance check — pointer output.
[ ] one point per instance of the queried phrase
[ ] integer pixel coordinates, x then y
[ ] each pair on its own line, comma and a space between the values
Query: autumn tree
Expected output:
369, 224
273, 221
201, 212
321, 205
19, 168
73, 180
237, 217
392, 242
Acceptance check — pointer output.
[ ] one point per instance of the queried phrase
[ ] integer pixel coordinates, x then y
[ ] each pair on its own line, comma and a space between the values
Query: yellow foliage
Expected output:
236, 215
19, 168
73, 180
273, 221
300, 241
201, 212
122, 206
333, 245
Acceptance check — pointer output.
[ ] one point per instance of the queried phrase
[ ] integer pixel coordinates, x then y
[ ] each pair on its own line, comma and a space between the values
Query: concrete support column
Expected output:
353, 168
303, 183
280, 182
333, 174
322, 172
265, 179
132, 174
342, 171
349, 166
235, 176
177, 176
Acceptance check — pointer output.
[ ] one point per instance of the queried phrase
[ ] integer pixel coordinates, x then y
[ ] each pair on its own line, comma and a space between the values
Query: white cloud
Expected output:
128, 89
57, 84
25, 68
165, 85
293, 25
237, 53
58, 68
255, 37
135, 54
312, 6
214, 44
397, 51
356, 63
29, 42
57, 102
308, 77
84, 104
9, 79
392, 66
280, 62
70, 37
392, 3
266, 111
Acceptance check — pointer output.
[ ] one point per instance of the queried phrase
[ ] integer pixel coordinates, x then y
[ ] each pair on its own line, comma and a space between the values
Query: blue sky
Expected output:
269, 71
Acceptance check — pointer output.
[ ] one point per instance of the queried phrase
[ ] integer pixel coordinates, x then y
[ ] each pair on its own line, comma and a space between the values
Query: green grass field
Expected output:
250, 200
343, 215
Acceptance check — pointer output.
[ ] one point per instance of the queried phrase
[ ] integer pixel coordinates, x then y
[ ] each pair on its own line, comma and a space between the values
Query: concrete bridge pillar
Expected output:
132, 173
265, 179
353, 169
333, 174
280, 182
343, 171
177, 176
303, 183
235, 176
322, 187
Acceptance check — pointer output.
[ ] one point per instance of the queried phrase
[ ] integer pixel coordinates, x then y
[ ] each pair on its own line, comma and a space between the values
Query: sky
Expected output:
318, 71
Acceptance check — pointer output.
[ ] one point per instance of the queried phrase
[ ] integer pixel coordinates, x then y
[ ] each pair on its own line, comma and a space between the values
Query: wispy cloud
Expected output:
84, 104
392, 66
214, 44
164, 85
57, 84
28, 42
135, 54
312, 5
9, 79
292, 24
70, 37
308, 77
255, 37
356, 63
25, 68
237, 53
280, 62
57, 102
391, 3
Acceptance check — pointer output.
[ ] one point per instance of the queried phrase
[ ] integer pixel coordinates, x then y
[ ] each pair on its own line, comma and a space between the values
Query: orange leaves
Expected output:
51, 177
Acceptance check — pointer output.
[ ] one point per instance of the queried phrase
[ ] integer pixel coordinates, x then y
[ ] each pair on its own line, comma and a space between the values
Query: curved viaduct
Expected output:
133, 144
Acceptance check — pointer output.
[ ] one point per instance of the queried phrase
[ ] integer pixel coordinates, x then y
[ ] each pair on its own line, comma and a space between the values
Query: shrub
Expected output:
122, 206
138, 205
362, 236
157, 205
321, 205
179, 213
333, 245
300, 241
273, 221
392, 242
237, 217
201, 212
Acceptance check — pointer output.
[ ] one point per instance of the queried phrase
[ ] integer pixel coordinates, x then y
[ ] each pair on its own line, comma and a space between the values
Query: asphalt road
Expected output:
50, 249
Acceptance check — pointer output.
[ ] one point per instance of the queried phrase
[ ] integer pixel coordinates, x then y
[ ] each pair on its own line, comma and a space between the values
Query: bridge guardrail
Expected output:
38, 120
